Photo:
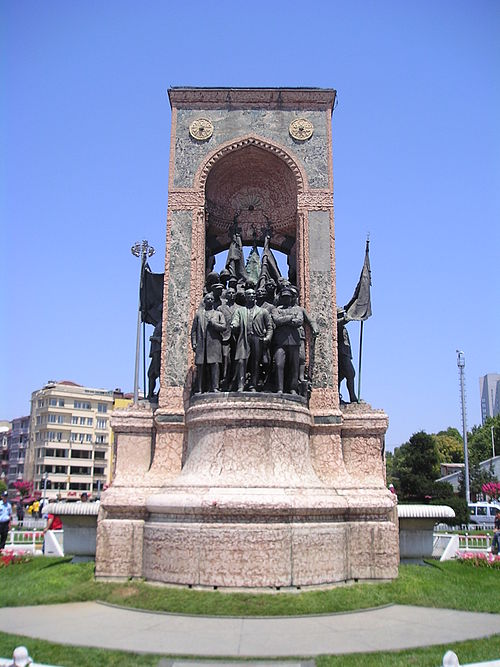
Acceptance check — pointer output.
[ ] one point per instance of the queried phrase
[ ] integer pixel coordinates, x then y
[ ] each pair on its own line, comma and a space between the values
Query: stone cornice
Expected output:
256, 98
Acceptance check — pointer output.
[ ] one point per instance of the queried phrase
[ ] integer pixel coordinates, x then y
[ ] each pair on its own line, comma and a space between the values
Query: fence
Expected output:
25, 540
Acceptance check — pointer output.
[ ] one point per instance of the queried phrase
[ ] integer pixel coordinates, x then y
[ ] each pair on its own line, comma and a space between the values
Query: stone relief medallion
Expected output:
201, 129
301, 129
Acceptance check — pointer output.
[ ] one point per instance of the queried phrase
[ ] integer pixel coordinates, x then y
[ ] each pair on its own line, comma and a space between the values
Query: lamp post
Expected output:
143, 250
493, 441
461, 367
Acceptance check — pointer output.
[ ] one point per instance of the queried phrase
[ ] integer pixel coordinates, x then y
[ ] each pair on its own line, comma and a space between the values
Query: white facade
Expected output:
489, 389
70, 436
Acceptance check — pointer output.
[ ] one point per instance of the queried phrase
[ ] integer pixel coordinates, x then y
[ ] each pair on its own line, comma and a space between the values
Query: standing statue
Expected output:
154, 366
206, 341
227, 308
345, 366
253, 328
155, 351
287, 321
314, 331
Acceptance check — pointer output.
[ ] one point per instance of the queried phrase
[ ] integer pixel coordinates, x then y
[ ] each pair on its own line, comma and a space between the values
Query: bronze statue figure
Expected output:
286, 340
206, 341
345, 365
254, 329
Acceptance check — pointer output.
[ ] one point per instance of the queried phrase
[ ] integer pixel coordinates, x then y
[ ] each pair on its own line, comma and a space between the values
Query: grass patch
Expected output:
452, 585
72, 656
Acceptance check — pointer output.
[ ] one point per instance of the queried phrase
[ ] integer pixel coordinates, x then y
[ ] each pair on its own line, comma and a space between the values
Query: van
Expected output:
483, 513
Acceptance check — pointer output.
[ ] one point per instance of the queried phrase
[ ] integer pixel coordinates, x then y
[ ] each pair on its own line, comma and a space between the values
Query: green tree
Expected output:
450, 446
479, 440
3, 486
415, 467
477, 478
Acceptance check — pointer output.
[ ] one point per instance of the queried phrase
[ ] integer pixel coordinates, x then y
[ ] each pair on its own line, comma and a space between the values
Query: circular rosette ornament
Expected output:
301, 129
201, 129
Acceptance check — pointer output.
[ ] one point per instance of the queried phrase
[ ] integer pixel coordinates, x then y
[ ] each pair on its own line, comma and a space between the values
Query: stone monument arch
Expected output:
238, 489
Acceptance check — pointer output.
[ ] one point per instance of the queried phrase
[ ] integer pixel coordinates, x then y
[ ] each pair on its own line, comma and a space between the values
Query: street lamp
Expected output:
461, 367
143, 250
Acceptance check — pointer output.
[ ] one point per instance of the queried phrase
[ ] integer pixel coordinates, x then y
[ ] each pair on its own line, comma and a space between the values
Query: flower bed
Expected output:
9, 557
479, 559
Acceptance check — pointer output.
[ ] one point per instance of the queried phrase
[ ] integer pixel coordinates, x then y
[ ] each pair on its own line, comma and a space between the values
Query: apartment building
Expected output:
70, 436
18, 445
5, 428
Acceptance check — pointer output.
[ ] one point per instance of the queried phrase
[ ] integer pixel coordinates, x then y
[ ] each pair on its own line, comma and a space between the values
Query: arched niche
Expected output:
261, 187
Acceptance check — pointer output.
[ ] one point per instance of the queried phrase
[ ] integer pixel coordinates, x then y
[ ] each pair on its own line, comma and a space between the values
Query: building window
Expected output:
89, 421
88, 437
101, 423
74, 437
98, 471
52, 401
99, 456
102, 407
74, 420
52, 419
79, 470
79, 486
82, 405
38, 420
81, 437
60, 419
81, 454
60, 403
100, 439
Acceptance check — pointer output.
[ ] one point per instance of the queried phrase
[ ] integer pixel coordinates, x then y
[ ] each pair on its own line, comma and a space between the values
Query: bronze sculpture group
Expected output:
248, 339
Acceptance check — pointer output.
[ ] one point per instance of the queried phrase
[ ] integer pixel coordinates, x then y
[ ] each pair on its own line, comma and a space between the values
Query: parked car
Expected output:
483, 513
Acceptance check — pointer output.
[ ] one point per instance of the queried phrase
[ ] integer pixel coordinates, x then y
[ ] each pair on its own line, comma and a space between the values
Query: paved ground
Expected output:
386, 628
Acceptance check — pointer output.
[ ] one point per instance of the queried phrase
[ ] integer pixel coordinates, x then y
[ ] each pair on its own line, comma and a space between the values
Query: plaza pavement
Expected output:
392, 627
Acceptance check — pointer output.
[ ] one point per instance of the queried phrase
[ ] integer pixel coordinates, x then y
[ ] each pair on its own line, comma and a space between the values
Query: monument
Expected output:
249, 481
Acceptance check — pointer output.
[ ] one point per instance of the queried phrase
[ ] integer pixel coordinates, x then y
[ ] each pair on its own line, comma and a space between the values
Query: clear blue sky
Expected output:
85, 142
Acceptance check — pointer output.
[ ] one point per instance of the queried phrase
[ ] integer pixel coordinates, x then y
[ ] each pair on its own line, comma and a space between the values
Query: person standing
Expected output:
5, 519
495, 543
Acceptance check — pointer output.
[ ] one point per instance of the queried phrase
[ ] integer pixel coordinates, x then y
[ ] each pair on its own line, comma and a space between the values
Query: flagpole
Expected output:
360, 357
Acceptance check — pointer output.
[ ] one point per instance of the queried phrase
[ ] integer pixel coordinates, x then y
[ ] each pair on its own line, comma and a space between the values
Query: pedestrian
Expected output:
5, 518
21, 657
495, 543
20, 513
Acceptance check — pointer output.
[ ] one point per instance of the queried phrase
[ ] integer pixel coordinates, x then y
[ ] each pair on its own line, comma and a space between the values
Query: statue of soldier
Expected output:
313, 328
345, 366
206, 341
287, 321
254, 329
227, 308
155, 355
266, 365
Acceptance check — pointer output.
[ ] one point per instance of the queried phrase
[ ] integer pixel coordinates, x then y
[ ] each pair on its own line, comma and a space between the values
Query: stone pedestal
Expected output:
254, 505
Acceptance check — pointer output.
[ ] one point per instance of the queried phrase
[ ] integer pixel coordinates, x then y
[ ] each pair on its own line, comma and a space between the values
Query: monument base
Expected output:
264, 500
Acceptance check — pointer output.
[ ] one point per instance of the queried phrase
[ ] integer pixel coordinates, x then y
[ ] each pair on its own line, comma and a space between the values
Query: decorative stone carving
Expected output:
301, 129
201, 129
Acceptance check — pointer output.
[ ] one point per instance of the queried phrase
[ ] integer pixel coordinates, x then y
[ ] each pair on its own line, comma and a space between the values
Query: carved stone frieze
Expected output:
185, 199
315, 199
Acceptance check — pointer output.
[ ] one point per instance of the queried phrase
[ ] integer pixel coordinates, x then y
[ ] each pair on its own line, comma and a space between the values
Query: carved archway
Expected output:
261, 182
